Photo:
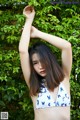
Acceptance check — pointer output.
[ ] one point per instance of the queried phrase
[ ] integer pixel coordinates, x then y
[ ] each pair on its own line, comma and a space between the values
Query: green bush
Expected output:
59, 19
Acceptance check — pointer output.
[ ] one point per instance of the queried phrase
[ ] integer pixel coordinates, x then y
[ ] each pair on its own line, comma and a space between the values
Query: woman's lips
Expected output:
42, 72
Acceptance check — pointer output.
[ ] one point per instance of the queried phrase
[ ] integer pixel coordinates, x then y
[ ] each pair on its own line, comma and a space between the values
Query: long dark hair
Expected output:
54, 71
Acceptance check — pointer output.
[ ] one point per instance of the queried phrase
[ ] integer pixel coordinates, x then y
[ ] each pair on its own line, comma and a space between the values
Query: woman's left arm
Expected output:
60, 43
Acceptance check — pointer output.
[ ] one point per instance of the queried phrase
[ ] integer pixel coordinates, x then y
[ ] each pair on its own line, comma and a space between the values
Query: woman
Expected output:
48, 82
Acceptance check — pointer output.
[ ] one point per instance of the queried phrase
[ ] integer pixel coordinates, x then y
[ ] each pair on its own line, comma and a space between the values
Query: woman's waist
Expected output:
53, 113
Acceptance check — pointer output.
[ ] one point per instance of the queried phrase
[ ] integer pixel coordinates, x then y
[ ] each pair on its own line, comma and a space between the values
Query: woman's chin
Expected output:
43, 75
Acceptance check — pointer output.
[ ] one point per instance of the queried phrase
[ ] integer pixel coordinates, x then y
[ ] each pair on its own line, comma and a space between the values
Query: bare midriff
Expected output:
52, 113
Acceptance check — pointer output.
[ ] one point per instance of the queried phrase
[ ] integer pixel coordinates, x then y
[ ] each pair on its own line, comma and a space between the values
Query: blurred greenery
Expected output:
57, 19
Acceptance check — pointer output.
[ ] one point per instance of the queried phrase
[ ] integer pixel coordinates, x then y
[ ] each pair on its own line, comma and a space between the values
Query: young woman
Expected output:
48, 82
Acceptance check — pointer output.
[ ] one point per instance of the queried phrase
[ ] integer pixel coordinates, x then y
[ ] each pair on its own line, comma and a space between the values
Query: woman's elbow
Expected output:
68, 45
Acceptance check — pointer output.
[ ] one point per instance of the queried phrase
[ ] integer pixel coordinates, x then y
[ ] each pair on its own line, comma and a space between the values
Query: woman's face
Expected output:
38, 67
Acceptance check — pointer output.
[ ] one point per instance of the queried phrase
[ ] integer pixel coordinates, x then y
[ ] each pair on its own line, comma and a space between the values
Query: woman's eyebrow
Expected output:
34, 60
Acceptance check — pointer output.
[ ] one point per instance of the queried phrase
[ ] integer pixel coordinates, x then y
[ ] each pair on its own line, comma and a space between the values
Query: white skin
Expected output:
66, 56
38, 67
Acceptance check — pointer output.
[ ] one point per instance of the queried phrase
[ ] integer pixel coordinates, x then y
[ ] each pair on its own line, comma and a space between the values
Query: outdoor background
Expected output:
58, 19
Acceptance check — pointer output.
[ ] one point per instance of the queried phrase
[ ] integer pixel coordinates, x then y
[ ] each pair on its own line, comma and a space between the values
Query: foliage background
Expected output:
58, 19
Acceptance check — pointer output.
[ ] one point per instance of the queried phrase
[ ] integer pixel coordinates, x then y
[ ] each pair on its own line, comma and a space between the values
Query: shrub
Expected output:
59, 19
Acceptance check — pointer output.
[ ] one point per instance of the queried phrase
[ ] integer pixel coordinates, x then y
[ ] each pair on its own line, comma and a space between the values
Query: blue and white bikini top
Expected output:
45, 99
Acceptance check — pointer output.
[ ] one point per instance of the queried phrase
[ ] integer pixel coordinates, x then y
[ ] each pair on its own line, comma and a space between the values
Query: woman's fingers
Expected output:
29, 12
28, 9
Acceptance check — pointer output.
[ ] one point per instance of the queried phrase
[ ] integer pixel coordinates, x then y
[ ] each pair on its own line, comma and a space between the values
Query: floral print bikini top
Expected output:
45, 99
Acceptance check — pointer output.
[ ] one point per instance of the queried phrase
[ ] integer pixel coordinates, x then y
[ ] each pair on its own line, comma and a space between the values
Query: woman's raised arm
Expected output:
24, 42
60, 43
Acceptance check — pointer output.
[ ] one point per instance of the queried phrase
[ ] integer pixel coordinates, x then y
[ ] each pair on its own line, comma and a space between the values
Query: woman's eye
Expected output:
34, 63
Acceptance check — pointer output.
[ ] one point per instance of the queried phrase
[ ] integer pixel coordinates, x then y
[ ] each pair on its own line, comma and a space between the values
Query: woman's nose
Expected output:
40, 65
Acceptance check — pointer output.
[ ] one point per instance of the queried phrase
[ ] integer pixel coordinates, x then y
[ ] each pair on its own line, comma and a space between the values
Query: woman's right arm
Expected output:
24, 43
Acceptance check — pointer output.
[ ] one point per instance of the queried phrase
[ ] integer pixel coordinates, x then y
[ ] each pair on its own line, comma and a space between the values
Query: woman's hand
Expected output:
34, 32
29, 12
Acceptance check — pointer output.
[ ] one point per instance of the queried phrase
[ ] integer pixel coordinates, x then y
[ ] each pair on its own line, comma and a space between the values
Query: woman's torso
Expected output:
53, 112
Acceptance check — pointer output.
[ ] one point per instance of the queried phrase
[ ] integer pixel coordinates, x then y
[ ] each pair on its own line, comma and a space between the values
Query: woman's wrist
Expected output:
29, 20
39, 34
